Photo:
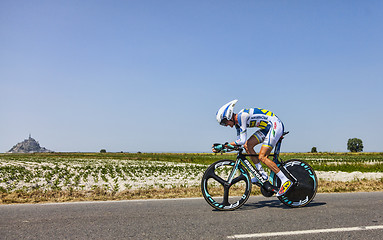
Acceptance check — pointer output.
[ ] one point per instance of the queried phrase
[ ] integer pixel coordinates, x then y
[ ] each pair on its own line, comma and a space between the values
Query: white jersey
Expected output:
271, 128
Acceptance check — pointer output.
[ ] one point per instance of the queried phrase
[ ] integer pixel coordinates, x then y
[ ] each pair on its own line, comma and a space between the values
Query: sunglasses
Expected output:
224, 122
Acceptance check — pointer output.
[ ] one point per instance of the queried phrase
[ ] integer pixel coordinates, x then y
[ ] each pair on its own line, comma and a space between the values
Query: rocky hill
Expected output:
29, 145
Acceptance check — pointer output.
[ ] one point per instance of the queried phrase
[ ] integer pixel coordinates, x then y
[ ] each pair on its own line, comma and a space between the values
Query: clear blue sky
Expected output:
150, 75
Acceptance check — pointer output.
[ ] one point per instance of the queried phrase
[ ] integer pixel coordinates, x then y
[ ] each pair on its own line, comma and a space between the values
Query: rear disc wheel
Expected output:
302, 192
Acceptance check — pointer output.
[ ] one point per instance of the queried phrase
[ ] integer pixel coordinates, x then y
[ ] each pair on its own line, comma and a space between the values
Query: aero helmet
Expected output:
226, 111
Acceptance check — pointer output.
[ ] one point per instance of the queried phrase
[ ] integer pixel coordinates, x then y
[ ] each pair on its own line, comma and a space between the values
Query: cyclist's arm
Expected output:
242, 129
235, 143
241, 137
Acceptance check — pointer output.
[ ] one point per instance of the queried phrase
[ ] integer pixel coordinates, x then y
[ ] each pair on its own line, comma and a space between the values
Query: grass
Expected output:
345, 162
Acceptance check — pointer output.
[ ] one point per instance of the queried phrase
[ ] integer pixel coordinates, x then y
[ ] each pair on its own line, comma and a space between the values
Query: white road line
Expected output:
329, 230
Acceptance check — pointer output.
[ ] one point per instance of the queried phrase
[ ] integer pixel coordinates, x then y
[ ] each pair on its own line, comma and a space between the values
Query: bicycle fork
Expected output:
232, 173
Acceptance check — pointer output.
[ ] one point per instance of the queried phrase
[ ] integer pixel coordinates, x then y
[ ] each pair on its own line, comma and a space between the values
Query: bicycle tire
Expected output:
228, 203
303, 193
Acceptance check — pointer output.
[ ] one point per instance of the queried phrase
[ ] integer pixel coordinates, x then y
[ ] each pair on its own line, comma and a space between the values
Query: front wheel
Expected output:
302, 192
218, 192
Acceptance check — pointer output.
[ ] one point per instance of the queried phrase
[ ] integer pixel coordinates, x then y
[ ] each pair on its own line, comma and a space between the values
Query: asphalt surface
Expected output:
195, 219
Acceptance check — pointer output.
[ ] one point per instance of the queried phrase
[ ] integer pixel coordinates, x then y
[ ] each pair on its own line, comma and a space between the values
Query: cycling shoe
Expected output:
284, 188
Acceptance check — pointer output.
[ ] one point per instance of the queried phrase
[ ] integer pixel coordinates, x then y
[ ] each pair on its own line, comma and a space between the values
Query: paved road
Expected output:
195, 219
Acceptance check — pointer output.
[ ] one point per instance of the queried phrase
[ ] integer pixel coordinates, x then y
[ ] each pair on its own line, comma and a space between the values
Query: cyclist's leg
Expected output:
255, 139
271, 139
249, 147
264, 157
274, 132
285, 182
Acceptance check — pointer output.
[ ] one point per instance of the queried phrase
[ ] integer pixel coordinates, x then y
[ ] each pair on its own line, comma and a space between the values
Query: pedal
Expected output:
270, 188
266, 193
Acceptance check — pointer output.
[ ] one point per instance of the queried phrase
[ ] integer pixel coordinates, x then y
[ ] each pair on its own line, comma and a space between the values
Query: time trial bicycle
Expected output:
226, 184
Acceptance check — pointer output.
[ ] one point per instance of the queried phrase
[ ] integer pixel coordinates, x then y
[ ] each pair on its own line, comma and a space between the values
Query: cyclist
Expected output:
270, 130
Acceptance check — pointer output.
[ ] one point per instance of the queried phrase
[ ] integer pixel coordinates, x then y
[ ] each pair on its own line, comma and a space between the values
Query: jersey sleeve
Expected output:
242, 128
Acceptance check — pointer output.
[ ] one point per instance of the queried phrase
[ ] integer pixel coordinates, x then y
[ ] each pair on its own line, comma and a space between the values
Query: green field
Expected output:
364, 162
116, 173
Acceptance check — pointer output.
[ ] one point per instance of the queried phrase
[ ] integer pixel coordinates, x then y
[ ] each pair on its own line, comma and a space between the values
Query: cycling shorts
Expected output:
270, 135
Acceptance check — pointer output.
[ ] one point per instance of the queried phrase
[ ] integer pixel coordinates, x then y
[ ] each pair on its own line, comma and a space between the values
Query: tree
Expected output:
314, 150
355, 145
102, 151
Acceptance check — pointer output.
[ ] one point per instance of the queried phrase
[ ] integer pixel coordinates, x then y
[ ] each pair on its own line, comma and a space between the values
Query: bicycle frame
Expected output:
249, 165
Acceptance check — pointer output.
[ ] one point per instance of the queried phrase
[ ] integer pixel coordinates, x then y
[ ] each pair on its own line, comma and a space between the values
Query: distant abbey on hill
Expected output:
29, 145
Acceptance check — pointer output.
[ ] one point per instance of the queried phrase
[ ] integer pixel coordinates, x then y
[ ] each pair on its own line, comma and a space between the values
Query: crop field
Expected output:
79, 176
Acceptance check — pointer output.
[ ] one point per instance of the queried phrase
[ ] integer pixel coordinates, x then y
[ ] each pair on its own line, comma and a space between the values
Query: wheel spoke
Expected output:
238, 179
218, 179
226, 196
